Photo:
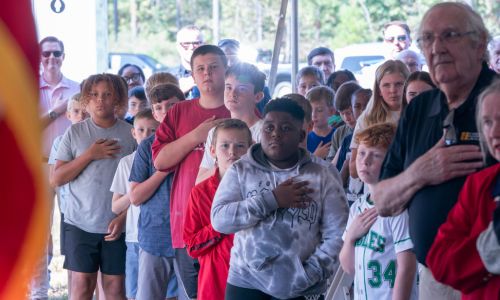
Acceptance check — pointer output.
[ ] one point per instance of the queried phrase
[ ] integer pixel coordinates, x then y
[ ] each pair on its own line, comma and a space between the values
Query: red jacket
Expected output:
453, 258
210, 247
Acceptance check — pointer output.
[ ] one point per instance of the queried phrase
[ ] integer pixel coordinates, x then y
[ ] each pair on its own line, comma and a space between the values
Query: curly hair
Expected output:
117, 85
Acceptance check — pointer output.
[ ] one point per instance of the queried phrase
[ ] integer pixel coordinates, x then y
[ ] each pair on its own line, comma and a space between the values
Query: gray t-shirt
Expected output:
88, 205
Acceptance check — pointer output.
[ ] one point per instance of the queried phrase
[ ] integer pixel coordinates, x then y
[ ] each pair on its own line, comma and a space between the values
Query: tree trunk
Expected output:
133, 18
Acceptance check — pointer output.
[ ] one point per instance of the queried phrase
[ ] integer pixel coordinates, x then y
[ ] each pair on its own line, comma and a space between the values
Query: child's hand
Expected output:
291, 193
201, 131
115, 228
104, 148
322, 150
361, 224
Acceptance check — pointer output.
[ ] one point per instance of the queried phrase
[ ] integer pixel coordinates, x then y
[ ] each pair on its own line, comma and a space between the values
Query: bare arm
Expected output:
436, 166
174, 152
405, 275
352, 163
60, 110
140, 192
119, 203
65, 171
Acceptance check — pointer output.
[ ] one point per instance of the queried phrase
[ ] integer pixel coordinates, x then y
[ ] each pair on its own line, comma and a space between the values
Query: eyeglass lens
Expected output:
55, 53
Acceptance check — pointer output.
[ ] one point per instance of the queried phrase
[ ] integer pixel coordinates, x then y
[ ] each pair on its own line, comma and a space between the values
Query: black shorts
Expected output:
62, 235
88, 252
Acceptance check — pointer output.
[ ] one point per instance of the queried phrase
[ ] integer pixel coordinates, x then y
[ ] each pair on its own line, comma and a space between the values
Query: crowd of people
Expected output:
194, 184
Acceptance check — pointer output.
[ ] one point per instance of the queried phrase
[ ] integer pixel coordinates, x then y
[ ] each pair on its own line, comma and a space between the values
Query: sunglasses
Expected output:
399, 38
48, 53
450, 132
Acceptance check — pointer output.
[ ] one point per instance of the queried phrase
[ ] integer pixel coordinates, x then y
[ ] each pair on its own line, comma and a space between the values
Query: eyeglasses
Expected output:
134, 77
450, 132
55, 53
449, 37
194, 44
399, 38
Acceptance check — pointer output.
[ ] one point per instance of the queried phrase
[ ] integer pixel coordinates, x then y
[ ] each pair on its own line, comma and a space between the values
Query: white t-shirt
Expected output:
393, 117
208, 162
375, 253
121, 186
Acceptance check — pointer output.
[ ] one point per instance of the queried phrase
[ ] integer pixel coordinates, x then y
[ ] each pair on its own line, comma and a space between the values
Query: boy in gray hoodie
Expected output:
287, 210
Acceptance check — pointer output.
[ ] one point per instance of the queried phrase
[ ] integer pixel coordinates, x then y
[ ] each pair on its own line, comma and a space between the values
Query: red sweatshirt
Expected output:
453, 258
213, 249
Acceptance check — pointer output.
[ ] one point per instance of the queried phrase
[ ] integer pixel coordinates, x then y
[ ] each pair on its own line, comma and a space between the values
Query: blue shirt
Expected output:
154, 220
313, 140
344, 149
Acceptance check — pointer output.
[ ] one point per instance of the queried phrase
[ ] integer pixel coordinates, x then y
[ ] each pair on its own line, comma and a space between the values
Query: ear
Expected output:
212, 152
258, 96
302, 135
133, 132
68, 114
332, 110
310, 126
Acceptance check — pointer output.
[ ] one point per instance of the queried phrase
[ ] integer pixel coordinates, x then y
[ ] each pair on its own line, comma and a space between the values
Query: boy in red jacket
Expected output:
230, 141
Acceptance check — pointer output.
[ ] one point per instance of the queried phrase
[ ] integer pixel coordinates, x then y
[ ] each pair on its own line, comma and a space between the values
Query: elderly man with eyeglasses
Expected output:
188, 39
427, 163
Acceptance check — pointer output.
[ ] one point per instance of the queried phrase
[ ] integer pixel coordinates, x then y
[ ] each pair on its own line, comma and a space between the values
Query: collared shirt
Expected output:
181, 72
49, 99
420, 128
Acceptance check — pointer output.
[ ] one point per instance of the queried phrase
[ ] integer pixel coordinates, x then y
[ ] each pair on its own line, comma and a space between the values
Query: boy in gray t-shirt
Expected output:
87, 160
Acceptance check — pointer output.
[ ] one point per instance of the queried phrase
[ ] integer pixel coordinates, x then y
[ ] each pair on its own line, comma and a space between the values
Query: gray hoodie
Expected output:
283, 252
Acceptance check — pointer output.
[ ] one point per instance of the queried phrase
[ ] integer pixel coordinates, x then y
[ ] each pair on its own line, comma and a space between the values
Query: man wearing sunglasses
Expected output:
436, 144
397, 37
55, 90
188, 39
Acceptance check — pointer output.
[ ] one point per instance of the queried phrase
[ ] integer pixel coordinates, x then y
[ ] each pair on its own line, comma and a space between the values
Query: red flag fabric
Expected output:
24, 206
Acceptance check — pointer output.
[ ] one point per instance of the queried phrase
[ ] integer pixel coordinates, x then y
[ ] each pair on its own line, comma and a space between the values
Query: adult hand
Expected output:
115, 228
104, 148
361, 224
200, 133
442, 163
322, 149
292, 193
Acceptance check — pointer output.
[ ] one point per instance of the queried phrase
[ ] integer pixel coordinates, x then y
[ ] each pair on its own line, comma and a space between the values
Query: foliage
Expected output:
149, 26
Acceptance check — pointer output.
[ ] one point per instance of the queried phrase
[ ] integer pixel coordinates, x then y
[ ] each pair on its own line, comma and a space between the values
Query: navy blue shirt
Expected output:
313, 140
154, 220
420, 128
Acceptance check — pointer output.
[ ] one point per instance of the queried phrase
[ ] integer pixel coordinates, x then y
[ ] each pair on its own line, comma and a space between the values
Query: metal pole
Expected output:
294, 42
277, 45
215, 21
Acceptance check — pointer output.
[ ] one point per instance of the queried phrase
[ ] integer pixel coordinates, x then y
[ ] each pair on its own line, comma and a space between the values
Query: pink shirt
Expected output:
50, 99
180, 120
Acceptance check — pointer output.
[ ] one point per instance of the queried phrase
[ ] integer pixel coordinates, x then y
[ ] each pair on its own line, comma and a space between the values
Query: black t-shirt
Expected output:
420, 128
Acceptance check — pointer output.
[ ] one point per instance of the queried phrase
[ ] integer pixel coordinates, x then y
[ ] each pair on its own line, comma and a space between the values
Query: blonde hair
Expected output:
321, 93
377, 111
76, 98
157, 79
